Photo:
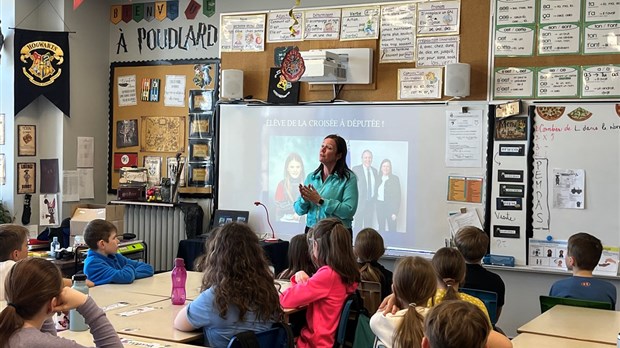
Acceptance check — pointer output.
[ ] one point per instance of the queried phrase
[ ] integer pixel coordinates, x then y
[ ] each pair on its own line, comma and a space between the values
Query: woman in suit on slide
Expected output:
388, 198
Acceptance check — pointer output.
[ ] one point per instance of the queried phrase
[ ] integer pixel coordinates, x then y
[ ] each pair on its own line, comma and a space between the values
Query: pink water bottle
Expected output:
179, 276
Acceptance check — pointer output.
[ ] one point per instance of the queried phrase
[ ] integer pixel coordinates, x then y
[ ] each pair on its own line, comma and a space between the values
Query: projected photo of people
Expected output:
287, 160
388, 198
287, 191
382, 201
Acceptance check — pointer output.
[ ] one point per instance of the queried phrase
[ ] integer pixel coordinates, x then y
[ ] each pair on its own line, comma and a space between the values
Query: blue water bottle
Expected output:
76, 320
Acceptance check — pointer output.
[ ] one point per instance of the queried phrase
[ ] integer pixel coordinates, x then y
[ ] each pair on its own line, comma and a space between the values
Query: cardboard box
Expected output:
83, 213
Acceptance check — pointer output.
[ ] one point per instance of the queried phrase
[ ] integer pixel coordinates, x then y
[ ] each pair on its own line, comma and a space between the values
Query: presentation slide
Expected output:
267, 151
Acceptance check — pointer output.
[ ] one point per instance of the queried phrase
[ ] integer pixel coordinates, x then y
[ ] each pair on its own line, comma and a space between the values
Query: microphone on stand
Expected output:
273, 233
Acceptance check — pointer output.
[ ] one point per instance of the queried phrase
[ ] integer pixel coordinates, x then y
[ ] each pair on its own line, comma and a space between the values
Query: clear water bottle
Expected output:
54, 247
179, 276
76, 320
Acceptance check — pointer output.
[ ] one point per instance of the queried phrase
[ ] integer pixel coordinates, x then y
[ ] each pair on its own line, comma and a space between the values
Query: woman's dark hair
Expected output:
334, 249
30, 284
381, 166
369, 247
236, 267
298, 258
341, 169
450, 267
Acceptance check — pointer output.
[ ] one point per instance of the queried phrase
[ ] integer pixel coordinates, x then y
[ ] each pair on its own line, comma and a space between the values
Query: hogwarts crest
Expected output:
46, 58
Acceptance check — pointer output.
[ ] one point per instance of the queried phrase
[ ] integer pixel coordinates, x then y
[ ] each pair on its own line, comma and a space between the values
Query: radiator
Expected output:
161, 228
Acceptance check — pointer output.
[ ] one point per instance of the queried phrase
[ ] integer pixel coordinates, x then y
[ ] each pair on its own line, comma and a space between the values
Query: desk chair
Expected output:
548, 302
280, 336
371, 294
347, 325
489, 299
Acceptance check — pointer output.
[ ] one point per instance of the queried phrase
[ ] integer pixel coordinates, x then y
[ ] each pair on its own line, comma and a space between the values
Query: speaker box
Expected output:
457, 80
232, 84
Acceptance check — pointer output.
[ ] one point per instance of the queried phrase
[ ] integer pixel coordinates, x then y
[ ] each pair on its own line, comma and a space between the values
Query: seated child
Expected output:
472, 242
582, 255
237, 292
414, 285
326, 291
298, 258
34, 292
369, 248
456, 324
13, 247
103, 265
449, 266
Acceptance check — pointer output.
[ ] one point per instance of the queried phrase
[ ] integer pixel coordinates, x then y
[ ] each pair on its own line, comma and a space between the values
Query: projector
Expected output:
324, 66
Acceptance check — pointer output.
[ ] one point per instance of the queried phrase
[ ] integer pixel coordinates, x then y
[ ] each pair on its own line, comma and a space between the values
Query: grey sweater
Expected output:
100, 327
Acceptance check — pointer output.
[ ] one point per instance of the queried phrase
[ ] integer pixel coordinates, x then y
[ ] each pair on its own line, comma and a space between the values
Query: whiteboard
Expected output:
588, 141
254, 141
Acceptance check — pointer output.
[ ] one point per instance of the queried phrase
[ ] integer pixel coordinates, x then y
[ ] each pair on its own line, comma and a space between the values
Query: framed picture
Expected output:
199, 149
26, 177
200, 125
511, 128
199, 174
126, 133
200, 100
27, 138
153, 169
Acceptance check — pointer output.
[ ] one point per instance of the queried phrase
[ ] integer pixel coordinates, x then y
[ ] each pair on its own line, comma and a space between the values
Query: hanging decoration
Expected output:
41, 68
208, 8
293, 65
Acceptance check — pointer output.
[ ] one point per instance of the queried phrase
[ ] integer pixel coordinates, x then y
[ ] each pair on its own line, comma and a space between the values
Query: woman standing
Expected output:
388, 198
330, 190
287, 190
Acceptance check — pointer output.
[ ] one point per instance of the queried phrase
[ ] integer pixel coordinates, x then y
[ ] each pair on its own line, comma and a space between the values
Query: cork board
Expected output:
474, 36
156, 129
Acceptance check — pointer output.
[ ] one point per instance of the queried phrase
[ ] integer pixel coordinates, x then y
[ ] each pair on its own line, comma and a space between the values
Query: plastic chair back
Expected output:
277, 337
347, 325
371, 294
548, 302
489, 299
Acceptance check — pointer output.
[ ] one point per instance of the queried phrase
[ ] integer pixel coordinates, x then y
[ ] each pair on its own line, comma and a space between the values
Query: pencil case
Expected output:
499, 260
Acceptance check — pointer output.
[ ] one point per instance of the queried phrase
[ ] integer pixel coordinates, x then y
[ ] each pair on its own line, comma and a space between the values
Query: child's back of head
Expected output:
97, 230
414, 284
369, 248
472, 242
334, 249
585, 249
449, 265
30, 284
12, 241
298, 258
456, 324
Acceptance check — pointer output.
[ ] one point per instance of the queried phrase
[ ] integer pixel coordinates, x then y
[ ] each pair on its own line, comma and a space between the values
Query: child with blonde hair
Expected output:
414, 285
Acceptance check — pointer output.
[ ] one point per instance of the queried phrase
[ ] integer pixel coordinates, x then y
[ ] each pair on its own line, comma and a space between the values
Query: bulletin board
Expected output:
474, 36
159, 109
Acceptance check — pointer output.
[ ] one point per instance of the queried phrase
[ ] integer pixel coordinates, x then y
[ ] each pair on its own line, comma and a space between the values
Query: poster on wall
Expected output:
360, 23
322, 24
127, 90
438, 18
282, 27
26, 177
397, 34
48, 215
27, 140
242, 33
163, 134
420, 83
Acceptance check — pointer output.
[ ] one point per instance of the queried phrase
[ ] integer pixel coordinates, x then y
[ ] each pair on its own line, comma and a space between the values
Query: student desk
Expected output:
585, 324
277, 252
158, 285
106, 296
86, 339
153, 324
527, 340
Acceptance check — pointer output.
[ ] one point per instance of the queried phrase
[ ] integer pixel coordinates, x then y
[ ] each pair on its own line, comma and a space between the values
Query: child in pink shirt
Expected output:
325, 292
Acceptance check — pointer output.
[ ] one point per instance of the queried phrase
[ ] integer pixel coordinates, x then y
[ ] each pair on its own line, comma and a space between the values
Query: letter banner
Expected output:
41, 68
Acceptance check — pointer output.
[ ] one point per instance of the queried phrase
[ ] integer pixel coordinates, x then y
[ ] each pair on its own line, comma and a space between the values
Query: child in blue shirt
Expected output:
582, 256
103, 265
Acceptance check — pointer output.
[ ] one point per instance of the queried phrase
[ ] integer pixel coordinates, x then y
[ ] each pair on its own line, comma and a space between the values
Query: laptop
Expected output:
222, 217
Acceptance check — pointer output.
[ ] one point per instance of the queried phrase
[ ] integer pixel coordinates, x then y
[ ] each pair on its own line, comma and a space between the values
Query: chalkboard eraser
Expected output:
499, 260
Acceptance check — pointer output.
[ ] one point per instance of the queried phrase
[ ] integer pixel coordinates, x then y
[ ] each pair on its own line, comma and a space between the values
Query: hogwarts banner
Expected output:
41, 68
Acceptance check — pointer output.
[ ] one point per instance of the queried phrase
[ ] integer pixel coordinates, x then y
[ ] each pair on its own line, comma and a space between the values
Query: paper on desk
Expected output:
137, 311
469, 218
